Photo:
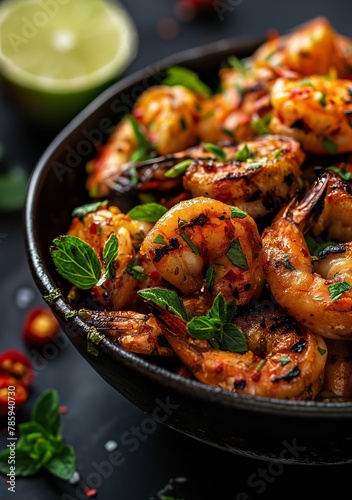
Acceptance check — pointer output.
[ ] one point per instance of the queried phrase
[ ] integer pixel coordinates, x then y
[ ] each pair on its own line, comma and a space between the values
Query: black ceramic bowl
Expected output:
288, 431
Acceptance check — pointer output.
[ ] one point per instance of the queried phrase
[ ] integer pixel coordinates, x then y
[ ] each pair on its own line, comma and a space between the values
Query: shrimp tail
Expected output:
305, 212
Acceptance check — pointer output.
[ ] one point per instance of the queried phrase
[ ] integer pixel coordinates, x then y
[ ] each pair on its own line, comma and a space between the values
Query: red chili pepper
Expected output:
15, 364
13, 394
40, 325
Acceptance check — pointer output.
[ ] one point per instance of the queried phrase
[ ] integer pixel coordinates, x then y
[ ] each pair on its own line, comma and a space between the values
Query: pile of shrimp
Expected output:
266, 171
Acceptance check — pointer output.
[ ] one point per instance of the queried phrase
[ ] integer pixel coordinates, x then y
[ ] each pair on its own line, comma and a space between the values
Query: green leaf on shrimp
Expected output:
76, 261
149, 212
145, 148
343, 173
243, 154
81, 211
178, 169
236, 255
203, 327
260, 125
135, 270
337, 289
233, 339
210, 277
219, 153
216, 326
110, 253
177, 75
330, 146
168, 299
237, 213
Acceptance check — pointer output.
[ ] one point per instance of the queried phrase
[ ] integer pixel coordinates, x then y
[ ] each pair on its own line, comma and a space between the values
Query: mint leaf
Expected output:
145, 149
178, 169
236, 255
233, 339
202, 327
342, 172
63, 463
210, 277
76, 261
168, 299
237, 213
25, 466
330, 146
336, 289
110, 253
217, 151
81, 211
46, 412
177, 75
243, 154
149, 212
218, 309
135, 270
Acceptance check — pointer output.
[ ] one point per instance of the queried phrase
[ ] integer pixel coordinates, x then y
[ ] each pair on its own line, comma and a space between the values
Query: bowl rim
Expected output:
160, 375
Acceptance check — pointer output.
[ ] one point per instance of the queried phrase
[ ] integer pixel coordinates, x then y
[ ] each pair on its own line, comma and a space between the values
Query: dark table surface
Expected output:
163, 462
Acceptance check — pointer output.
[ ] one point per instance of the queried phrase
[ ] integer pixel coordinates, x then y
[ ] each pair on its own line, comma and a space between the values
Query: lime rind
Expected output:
112, 59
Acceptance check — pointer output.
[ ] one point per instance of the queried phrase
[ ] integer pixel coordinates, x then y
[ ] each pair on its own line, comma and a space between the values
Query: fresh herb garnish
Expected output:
236, 63
322, 100
79, 263
330, 146
210, 277
160, 240
149, 212
260, 125
337, 289
236, 255
237, 213
216, 327
217, 151
145, 149
168, 299
83, 210
178, 169
76, 261
343, 173
190, 243
315, 247
110, 253
177, 75
243, 154
287, 263
40, 444
135, 270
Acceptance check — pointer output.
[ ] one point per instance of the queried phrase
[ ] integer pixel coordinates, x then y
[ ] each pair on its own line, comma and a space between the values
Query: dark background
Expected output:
162, 462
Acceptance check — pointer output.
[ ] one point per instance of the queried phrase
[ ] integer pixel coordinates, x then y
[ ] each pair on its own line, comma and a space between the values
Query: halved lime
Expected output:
57, 55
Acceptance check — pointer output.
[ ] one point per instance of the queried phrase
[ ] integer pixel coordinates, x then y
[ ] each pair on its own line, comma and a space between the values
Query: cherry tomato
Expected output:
15, 364
13, 395
40, 325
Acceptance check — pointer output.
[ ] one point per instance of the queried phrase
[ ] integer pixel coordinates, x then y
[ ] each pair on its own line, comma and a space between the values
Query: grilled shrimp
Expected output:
336, 216
167, 117
258, 176
244, 99
318, 294
95, 228
133, 331
200, 237
284, 360
312, 48
315, 111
